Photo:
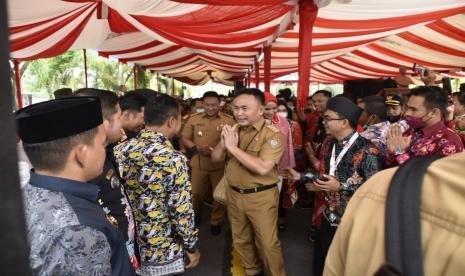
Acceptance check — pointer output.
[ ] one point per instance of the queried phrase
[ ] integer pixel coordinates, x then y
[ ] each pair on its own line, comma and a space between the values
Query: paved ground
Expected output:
216, 250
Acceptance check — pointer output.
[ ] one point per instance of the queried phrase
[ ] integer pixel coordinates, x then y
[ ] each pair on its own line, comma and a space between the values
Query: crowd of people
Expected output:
118, 184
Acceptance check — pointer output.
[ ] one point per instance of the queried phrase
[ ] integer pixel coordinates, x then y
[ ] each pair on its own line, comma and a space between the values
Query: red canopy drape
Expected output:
307, 15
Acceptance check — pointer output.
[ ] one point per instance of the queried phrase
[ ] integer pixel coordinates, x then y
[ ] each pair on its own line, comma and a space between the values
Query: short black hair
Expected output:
289, 111
325, 93
255, 92
52, 155
108, 99
63, 93
434, 96
132, 102
194, 100
211, 94
308, 98
285, 93
376, 107
144, 92
159, 109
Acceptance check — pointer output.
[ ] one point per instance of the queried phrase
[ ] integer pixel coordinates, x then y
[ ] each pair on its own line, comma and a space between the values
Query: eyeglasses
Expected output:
326, 118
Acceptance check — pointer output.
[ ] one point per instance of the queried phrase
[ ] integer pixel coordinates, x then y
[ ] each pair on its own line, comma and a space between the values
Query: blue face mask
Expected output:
200, 110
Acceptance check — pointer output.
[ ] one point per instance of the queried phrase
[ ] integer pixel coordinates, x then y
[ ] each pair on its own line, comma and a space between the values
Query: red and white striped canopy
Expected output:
198, 40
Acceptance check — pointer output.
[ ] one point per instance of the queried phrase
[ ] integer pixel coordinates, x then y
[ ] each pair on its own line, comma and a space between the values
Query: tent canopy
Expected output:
198, 40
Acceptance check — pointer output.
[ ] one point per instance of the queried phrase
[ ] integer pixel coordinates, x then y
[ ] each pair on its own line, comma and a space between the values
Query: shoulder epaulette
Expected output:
273, 128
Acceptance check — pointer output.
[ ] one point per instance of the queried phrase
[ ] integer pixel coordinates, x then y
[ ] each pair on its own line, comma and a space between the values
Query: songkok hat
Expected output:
55, 119
393, 100
346, 108
270, 98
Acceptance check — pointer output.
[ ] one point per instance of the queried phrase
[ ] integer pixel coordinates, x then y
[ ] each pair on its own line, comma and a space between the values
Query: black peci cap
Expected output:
55, 119
346, 108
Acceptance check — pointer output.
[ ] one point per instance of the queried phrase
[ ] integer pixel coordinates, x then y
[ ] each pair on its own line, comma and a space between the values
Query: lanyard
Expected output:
334, 162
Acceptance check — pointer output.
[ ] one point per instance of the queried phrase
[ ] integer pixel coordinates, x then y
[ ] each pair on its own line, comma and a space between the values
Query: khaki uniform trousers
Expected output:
254, 219
203, 182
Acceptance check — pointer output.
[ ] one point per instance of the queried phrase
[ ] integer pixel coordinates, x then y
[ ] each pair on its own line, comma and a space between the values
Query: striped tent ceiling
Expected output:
198, 40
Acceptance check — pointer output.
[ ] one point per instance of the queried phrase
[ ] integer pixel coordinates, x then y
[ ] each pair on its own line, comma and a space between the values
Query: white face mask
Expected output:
200, 110
282, 114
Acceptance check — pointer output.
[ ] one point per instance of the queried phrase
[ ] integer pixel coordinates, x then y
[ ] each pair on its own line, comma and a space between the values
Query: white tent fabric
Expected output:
198, 42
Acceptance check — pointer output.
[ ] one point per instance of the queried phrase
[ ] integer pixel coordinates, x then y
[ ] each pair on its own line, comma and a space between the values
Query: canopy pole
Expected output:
267, 67
134, 75
257, 72
173, 87
84, 51
158, 82
307, 15
18, 83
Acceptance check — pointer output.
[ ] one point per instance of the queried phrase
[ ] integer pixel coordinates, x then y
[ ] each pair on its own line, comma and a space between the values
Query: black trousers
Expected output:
323, 240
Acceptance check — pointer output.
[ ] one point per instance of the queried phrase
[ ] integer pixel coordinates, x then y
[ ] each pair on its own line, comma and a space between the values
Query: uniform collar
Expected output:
217, 116
80, 189
259, 124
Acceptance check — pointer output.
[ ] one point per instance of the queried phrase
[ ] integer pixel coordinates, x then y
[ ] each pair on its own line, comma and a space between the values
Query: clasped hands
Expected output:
229, 138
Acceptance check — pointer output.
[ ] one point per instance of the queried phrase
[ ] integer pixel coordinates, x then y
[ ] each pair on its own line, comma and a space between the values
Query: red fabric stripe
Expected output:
151, 55
17, 29
400, 21
30, 39
375, 59
295, 35
335, 77
366, 67
64, 44
448, 30
375, 75
216, 19
431, 45
171, 62
118, 24
130, 50
326, 47
234, 2
344, 76
403, 57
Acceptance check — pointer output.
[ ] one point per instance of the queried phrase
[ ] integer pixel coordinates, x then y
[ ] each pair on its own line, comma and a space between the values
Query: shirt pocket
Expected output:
254, 148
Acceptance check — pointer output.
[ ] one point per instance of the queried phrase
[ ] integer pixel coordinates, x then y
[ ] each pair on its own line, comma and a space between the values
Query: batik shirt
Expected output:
437, 139
68, 232
360, 162
159, 189
113, 199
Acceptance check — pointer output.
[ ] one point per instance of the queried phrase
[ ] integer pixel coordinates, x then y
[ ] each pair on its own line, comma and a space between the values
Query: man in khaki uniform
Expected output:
200, 135
254, 150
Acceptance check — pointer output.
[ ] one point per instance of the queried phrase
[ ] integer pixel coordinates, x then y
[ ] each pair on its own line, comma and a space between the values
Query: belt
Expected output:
253, 190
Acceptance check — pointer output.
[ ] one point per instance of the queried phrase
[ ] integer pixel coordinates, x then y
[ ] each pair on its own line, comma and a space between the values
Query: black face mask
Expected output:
393, 119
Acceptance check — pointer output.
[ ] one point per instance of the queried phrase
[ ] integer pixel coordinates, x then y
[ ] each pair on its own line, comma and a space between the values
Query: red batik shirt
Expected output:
436, 139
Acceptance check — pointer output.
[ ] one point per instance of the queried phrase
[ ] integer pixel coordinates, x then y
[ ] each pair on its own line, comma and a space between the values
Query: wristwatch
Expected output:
399, 151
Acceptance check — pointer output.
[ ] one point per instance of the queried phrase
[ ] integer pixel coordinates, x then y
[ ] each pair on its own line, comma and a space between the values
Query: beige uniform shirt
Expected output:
203, 130
358, 247
263, 141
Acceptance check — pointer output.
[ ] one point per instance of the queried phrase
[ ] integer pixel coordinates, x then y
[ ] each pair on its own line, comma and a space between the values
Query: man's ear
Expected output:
125, 115
261, 110
79, 154
171, 122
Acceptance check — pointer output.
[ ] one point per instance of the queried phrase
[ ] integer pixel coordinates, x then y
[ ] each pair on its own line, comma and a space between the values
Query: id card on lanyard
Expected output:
334, 162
